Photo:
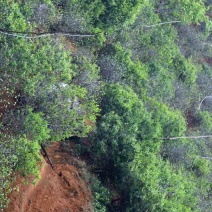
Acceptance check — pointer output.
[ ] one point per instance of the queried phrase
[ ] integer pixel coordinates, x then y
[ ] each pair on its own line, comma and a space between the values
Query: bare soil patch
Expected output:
62, 189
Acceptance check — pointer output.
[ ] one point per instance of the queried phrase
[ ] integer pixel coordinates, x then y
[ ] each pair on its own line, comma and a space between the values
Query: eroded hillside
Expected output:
62, 189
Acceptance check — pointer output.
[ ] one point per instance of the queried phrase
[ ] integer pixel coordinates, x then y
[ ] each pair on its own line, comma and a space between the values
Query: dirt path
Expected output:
62, 189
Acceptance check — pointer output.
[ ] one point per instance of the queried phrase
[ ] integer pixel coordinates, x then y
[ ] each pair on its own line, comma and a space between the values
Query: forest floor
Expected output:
7, 102
62, 189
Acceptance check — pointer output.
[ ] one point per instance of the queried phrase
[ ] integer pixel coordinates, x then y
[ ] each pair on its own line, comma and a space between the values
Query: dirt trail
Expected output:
62, 189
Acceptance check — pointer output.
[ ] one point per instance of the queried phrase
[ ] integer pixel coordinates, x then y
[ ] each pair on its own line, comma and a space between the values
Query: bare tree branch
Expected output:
199, 108
204, 157
168, 22
184, 137
207, 44
30, 35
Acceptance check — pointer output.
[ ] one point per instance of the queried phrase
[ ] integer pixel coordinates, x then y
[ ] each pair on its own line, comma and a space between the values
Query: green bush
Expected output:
8, 160
28, 156
35, 127
16, 154
101, 196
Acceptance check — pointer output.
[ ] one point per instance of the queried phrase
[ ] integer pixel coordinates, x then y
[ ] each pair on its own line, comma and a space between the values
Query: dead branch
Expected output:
189, 137
168, 22
199, 108
204, 157
30, 35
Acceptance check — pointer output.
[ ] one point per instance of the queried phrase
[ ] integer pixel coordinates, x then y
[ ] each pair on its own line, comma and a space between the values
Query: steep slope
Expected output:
62, 189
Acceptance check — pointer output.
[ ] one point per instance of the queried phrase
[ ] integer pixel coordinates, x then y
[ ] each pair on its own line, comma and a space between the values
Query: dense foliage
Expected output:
143, 78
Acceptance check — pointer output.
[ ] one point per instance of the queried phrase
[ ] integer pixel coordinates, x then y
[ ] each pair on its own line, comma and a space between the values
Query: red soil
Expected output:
62, 189
70, 45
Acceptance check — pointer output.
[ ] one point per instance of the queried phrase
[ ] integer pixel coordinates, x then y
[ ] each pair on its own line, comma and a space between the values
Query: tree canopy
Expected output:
137, 81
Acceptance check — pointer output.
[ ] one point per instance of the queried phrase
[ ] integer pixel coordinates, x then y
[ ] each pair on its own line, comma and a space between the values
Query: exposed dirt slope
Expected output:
62, 189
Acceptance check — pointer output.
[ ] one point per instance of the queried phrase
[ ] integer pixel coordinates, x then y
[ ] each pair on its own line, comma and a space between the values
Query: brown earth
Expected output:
62, 189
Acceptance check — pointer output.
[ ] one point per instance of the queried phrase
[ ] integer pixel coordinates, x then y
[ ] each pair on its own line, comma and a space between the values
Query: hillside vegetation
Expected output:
128, 75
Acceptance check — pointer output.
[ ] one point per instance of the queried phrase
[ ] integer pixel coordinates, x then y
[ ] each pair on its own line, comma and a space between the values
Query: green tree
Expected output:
65, 108
186, 11
35, 127
158, 187
16, 154
8, 160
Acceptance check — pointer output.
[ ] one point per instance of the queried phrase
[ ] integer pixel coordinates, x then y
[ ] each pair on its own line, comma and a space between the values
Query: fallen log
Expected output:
46, 155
